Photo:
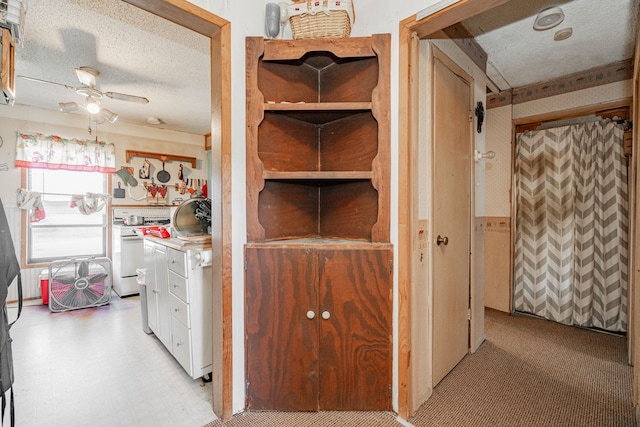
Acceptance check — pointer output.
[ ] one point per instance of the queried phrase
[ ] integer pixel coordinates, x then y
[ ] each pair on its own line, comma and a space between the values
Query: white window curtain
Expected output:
34, 150
570, 258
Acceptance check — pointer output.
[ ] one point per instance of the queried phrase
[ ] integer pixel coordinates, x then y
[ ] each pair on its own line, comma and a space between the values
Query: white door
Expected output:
452, 145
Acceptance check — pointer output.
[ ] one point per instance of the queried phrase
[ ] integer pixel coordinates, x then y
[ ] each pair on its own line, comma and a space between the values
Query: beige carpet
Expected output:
529, 372
533, 372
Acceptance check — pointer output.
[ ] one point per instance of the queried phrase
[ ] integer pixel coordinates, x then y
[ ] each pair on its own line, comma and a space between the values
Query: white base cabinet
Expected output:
179, 303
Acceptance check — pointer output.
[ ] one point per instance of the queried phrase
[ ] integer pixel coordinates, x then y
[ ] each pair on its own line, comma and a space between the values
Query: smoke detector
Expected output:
563, 34
548, 18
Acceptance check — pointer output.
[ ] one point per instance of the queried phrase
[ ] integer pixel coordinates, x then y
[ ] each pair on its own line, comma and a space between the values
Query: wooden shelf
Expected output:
317, 106
161, 157
321, 241
317, 175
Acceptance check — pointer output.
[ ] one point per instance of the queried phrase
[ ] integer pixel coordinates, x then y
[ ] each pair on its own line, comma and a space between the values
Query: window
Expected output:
65, 232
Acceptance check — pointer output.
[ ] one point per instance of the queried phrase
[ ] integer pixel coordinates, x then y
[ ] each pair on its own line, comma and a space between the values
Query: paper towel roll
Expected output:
203, 258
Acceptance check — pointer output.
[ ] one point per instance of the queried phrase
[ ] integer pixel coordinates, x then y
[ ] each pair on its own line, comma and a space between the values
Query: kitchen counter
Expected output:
180, 244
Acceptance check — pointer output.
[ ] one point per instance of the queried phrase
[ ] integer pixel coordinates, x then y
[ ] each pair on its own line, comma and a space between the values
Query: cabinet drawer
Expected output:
181, 345
180, 311
177, 262
178, 286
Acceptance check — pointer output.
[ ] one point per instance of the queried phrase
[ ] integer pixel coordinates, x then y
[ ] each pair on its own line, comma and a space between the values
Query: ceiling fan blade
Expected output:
87, 76
125, 97
33, 79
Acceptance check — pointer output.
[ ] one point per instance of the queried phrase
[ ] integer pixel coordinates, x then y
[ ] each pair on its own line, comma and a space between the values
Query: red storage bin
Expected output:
44, 286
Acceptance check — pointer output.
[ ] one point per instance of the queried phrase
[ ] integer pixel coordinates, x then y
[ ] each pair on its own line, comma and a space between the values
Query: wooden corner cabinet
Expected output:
319, 262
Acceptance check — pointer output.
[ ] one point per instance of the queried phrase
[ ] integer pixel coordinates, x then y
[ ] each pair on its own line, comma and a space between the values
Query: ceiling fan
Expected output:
87, 77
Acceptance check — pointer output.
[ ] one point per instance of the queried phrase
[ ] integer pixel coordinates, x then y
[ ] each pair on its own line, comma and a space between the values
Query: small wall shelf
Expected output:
161, 157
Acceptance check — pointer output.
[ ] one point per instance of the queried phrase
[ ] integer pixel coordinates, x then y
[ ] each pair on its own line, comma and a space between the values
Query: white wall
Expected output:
498, 170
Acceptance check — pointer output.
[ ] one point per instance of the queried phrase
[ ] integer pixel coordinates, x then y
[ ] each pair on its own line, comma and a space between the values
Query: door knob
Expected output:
326, 315
442, 240
310, 314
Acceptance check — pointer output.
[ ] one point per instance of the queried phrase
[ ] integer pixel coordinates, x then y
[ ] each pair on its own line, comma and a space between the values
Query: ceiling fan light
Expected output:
109, 115
67, 107
548, 18
93, 105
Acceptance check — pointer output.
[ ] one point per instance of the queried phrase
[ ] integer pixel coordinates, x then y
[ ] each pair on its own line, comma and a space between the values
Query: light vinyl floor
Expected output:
96, 367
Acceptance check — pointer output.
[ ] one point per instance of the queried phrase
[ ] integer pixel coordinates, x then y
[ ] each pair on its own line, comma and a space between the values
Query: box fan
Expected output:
79, 283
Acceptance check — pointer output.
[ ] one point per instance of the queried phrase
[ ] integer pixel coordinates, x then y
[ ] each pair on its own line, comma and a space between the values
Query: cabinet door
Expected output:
281, 329
160, 292
355, 329
150, 280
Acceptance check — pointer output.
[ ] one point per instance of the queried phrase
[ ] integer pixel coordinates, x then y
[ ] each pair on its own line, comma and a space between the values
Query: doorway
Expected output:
411, 32
441, 288
188, 15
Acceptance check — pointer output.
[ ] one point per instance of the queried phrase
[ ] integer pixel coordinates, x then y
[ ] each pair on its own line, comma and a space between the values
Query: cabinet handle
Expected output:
178, 344
174, 285
326, 315
311, 314
176, 310
154, 291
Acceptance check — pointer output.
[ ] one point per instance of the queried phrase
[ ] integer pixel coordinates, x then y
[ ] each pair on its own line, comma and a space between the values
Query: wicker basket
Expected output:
324, 24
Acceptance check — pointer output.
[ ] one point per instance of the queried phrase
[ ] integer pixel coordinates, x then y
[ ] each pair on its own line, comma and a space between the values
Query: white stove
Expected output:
128, 247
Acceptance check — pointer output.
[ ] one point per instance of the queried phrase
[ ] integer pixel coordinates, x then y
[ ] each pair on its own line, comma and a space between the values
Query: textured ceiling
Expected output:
518, 55
136, 53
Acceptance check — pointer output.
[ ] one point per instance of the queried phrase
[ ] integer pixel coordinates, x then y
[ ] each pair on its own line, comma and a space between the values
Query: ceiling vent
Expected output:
548, 18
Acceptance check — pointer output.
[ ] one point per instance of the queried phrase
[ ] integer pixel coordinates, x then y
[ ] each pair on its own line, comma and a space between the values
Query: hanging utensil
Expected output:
163, 175
198, 191
118, 193
145, 170
205, 190
191, 189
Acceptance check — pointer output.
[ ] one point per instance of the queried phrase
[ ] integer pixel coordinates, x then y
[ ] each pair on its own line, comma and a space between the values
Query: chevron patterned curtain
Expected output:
570, 258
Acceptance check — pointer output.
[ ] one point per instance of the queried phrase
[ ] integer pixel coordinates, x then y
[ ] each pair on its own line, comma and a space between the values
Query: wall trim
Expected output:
598, 76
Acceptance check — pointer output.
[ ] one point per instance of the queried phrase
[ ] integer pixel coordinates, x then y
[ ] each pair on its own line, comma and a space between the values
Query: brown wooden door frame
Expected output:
411, 31
218, 30
634, 256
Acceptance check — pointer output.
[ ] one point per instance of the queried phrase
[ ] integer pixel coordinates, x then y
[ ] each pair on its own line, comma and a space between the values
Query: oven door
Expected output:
131, 255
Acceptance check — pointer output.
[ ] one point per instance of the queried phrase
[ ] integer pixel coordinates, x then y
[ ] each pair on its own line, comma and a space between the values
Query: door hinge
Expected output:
468, 314
390, 391
391, 266
470, 116
245, 265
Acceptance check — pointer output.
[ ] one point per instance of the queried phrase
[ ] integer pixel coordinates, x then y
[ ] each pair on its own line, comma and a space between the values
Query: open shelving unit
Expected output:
317, 139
